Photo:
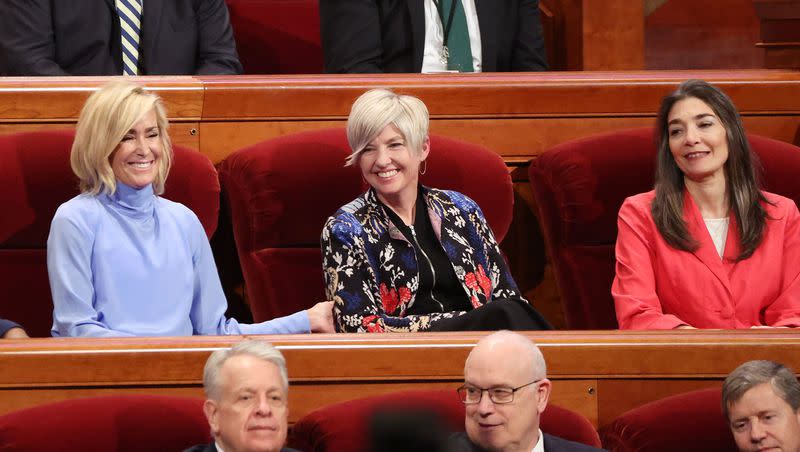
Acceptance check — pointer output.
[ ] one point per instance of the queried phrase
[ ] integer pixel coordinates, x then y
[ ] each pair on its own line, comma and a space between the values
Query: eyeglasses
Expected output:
471, 395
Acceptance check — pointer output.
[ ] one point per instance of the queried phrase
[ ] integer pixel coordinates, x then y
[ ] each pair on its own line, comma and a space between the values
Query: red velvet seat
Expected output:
579, 187
277, 36
690, 422
281, 191
111, 423
36, 178
343, 426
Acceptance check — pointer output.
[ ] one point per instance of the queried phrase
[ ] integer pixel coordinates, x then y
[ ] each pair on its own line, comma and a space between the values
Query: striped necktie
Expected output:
130, 21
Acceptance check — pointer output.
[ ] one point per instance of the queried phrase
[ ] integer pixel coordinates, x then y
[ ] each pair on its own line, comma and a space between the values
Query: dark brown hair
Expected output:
744, 194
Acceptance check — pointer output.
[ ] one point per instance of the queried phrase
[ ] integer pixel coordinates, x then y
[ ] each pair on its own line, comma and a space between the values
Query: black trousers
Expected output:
503, 314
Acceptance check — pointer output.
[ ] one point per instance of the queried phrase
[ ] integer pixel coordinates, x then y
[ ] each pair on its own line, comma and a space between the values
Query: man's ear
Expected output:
543, 394
210, 409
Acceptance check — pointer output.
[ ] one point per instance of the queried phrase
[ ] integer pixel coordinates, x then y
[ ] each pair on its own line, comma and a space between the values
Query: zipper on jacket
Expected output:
430, 264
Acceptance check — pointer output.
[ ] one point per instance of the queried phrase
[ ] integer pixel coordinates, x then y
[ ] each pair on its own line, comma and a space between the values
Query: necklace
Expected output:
445, 27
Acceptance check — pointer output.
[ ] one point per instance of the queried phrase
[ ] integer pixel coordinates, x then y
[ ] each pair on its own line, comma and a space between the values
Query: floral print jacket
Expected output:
371, 269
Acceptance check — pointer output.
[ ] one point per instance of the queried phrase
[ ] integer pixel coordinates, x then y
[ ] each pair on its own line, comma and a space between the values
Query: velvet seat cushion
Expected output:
110, 423
690, 422
277, 36
343, 426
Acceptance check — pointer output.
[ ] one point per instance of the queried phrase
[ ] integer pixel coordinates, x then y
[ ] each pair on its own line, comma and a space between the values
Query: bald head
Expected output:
509, 346
508, 362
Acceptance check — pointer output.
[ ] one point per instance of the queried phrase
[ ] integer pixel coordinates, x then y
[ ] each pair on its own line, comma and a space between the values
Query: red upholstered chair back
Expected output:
579, 187
36, 178
343, 426
691, 422
111, 423
281, 191
277, 36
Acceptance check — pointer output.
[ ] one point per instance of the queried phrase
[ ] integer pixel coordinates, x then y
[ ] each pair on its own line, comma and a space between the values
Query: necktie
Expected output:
455, 35
130, 21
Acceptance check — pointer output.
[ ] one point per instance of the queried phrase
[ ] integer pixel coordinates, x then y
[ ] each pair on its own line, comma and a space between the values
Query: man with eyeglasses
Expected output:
246, 388
505, 392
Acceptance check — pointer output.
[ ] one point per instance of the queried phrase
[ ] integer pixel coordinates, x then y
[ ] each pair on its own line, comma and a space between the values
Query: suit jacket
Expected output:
660, 287
212, 447
367, 36
460, 442
82, 37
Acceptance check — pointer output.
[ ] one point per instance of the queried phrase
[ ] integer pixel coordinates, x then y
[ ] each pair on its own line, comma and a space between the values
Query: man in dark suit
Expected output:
505, 392
369, 36
84, 37
246, 388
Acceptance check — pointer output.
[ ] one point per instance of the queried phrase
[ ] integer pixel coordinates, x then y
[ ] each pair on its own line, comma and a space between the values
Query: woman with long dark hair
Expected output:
707, 248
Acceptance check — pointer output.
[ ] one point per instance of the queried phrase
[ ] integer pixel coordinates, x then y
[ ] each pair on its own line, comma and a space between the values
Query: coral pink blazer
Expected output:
659, 287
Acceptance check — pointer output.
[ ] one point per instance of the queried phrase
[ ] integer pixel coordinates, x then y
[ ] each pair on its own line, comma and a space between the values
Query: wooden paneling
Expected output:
703, 34
518, 115
60, 99
780, 32
599, 374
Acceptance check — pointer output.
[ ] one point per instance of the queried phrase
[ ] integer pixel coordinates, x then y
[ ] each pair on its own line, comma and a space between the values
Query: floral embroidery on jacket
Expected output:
371, 270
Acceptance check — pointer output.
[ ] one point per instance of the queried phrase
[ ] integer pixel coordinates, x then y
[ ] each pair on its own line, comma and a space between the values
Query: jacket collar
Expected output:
371, 198
706, 251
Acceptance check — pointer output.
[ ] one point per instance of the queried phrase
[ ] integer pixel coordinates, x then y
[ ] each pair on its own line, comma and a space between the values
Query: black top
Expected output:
439, 288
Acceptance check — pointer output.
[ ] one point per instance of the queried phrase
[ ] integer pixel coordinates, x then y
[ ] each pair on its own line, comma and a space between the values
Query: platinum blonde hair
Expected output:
107, 116
257, 349
378, 108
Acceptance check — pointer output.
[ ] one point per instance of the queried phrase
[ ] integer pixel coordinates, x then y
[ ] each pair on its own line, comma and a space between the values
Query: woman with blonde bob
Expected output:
707, 248
389, 264
124, 261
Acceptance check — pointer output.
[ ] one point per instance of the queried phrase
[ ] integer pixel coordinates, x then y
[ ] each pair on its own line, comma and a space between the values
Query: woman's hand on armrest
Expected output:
321, 317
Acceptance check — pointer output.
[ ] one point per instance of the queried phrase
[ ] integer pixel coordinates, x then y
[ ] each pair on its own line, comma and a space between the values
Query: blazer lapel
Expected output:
706, 251
416, 11
488, 15
151, 16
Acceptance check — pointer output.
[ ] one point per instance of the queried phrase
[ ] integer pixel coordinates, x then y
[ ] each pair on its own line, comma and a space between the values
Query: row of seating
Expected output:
158, 422
279, 193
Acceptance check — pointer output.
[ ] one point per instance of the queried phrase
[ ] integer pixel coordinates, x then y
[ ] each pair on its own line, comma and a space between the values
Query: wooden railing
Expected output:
599, 374
518, 115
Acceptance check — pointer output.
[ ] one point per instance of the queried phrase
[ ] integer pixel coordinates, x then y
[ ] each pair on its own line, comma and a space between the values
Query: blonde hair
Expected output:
378, 108
106, 117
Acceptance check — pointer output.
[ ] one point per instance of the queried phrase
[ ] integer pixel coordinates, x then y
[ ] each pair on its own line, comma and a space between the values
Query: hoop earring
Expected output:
423, 167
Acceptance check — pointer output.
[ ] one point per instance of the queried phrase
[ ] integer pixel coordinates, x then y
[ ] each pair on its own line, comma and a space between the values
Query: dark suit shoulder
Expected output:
460, 442
202, 448
556, 444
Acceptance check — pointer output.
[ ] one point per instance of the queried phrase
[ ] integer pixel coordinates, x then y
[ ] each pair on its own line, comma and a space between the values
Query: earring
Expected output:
423, 167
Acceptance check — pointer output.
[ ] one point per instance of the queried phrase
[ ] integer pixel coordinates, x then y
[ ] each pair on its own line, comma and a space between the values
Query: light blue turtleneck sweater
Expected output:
136, 264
